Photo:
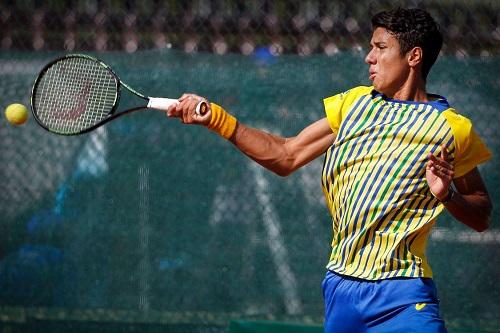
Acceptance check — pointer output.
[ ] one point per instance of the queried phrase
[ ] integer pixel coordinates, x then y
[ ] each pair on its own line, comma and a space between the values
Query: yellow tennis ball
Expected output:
16, 114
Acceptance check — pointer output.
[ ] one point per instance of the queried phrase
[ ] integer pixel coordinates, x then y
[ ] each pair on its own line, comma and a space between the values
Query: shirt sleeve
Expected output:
337, 106
470, 150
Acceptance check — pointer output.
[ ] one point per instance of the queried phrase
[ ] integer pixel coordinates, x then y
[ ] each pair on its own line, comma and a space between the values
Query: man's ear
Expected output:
415, 56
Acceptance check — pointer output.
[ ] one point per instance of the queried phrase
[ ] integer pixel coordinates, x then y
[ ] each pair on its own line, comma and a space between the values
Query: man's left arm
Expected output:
470, 203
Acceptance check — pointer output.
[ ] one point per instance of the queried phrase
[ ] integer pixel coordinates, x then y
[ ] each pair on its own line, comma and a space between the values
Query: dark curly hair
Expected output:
413, 27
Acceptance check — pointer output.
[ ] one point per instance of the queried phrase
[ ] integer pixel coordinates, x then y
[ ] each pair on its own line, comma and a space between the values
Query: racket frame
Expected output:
111, 114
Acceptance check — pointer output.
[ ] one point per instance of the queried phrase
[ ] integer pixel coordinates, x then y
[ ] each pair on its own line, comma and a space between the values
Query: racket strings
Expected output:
74, 94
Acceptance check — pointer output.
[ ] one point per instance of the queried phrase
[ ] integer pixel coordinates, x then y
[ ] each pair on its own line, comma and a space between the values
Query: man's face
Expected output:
388, 69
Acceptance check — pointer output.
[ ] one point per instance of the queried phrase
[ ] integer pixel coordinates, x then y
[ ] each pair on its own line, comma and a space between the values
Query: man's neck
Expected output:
412, 90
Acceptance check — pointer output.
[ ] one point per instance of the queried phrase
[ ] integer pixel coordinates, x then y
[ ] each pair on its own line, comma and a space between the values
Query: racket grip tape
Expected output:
165, 103
161, 103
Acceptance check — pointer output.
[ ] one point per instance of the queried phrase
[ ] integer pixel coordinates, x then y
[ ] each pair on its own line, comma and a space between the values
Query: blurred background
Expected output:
232, 26
148, 225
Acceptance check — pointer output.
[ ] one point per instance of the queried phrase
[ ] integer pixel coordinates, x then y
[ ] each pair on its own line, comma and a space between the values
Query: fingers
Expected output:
440, 166
191, 96
440, 171
444, 152
186, 109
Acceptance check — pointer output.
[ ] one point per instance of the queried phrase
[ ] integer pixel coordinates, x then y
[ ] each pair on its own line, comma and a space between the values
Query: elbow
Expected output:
279, 170
483, 226
485, 220
285, 167
283, 172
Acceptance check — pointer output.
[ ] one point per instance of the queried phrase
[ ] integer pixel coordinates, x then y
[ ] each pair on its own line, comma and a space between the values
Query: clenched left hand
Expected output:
439, 173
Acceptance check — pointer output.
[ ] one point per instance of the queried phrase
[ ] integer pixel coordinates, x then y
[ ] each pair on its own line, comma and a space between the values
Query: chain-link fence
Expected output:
147, 224
222, 26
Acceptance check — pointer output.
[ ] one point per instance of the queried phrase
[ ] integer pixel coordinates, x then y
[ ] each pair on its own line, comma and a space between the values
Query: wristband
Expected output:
449, 197
222, 122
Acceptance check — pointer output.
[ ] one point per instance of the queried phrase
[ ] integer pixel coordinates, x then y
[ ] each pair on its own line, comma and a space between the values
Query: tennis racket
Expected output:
77, 93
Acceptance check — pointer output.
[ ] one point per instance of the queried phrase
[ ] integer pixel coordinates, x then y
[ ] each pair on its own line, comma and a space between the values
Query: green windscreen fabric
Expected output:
149, 221
241, 326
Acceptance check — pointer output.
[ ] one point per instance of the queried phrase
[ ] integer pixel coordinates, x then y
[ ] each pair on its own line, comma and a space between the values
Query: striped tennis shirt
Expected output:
374, 179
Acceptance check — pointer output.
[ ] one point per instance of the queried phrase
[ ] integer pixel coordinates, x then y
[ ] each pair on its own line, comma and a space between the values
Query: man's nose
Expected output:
370, 59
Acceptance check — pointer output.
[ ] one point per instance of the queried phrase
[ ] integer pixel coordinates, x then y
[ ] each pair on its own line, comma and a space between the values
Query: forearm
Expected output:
268, 150
280, 155
473, 210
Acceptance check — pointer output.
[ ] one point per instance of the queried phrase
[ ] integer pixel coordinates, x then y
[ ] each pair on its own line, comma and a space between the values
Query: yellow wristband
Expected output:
222, 122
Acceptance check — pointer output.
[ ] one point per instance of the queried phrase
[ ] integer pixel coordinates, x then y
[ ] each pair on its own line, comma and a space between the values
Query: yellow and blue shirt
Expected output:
374, 179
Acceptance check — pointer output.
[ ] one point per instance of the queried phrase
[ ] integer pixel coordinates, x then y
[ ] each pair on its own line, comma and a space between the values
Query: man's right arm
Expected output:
284, 155
278, 154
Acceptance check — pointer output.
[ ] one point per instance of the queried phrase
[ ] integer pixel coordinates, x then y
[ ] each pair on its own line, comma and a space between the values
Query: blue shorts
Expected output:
391, 305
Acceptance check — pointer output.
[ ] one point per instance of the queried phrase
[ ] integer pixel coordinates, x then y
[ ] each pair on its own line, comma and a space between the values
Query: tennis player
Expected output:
396, 157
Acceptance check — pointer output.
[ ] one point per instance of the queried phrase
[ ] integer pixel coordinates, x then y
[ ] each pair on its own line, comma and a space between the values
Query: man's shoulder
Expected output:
455, 118
351, 93
338, 106
358, 91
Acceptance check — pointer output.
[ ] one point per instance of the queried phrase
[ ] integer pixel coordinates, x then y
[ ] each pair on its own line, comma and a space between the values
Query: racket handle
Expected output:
165, 103
202, 108
161, 103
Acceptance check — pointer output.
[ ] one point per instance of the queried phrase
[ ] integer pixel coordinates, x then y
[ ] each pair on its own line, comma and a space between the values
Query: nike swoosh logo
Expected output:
420, 306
